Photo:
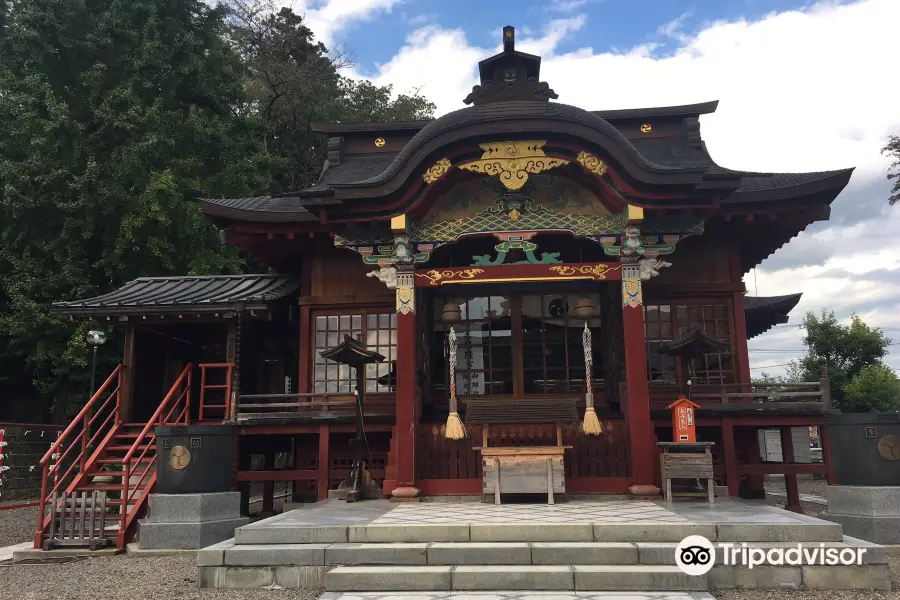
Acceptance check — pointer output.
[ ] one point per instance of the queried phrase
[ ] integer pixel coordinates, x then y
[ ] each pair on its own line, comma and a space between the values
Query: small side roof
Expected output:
764, 312
189, 294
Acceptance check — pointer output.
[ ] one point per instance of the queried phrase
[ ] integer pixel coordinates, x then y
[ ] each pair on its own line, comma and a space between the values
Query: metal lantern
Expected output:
585, 309
451, 313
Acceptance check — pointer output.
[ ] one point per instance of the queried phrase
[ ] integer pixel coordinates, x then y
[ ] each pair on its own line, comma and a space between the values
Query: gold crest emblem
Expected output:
179, 458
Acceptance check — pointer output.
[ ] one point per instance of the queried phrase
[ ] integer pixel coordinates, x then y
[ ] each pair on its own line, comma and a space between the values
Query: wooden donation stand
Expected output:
686, 458
522, 469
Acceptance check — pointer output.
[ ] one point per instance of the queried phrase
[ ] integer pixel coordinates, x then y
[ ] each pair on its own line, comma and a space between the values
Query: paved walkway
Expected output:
521, 595
605, 512
6, 553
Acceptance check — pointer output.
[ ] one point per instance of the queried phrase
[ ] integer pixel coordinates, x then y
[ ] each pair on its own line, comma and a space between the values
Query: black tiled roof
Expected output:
764, 312
259, 209
153, 295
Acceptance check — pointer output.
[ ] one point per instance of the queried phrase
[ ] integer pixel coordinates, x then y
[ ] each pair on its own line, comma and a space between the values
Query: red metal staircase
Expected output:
99, 473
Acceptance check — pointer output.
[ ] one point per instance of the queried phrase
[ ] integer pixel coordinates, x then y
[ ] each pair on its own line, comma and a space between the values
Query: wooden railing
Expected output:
208, 411
311, 402
136, 484
86, 436
744, 393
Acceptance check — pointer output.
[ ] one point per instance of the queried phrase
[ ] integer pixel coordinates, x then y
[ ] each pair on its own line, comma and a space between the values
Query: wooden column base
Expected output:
406, 494
643, 491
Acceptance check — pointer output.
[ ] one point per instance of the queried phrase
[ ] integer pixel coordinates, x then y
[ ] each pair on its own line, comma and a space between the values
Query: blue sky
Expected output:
802, 86
613, 24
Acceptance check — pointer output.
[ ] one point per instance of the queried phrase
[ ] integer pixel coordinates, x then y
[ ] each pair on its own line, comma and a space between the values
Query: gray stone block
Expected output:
214, 556
248, 578
392, 579
300, 577
862, 500
583, 553
635, 578
479, 553
290, 535
187, 508
531, 532
878, 530
876, 554
656, 553
418, 532
250, 555
766, 532
210, 577
376, 554
512, 577
186, 535
864, 577
726, 577
650, 532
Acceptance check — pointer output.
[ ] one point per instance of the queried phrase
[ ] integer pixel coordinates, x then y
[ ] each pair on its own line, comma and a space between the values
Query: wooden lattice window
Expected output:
712, 318
377, 329
661, 369
552, 346
665, 322
484, 346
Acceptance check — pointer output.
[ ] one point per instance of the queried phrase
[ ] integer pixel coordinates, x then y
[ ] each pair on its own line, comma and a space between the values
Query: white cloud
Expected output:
327, 17
801, 90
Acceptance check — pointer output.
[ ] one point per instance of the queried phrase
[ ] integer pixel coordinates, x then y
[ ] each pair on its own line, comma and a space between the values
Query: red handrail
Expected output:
226, 388
84, 440
175, 403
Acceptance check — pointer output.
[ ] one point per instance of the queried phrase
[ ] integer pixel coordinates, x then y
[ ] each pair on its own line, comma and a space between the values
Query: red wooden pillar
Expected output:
637, 412
406, 406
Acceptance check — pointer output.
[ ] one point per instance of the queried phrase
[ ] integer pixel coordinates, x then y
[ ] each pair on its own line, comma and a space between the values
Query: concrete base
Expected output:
190, 521
869, 513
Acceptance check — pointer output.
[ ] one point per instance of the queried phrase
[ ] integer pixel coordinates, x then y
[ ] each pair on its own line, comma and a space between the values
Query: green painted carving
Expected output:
503, 249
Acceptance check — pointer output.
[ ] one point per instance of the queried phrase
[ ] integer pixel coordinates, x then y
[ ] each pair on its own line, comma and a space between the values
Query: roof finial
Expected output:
509, 38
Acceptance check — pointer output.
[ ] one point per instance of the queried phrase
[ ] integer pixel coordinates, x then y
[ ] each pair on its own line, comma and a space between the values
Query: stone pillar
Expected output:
637, 412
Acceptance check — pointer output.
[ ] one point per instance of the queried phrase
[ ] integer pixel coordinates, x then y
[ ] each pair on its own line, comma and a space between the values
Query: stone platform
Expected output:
868, 512
584, 546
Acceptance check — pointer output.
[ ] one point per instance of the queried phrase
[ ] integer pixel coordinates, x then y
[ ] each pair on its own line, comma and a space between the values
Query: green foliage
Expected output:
114, 116
294, 83
875, 388
892, 149
846, 349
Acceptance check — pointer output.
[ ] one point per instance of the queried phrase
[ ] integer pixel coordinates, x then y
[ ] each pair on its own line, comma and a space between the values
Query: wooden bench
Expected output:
522, 469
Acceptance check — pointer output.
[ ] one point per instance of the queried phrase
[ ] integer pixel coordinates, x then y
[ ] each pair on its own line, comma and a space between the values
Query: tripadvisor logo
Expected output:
696, 555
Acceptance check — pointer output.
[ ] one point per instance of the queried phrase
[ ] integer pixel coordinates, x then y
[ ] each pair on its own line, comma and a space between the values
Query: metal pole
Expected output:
93, 373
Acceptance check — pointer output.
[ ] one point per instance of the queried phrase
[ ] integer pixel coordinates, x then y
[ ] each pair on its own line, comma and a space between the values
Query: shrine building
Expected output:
515, 260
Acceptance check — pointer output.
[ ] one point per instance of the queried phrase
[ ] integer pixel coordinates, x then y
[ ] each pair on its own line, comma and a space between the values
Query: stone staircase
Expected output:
527, 556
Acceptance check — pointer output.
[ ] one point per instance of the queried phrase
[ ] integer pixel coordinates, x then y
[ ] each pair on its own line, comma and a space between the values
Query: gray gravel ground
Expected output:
17, 525
124, 577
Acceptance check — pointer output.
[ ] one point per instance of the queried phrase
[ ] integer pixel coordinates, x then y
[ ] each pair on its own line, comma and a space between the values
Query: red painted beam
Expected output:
449, 487
604, 271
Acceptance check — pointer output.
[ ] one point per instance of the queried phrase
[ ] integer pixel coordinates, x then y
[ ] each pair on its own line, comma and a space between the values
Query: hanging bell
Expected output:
451, 313
585, 309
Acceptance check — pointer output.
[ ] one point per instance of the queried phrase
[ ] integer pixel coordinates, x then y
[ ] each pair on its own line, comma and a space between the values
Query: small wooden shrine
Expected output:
586, 258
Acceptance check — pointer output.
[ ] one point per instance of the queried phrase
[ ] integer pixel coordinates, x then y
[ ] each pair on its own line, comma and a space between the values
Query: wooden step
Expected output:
118, 461
108, 487
118, 448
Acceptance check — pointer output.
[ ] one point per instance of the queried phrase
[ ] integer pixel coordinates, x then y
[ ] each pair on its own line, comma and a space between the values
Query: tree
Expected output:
294, 82
847, 349
114, 116
892, 149
874, 389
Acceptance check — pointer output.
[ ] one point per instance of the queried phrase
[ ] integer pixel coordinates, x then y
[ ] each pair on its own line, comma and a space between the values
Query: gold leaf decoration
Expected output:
592, 163
437, 277
437, 170
598, 271
513, 161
